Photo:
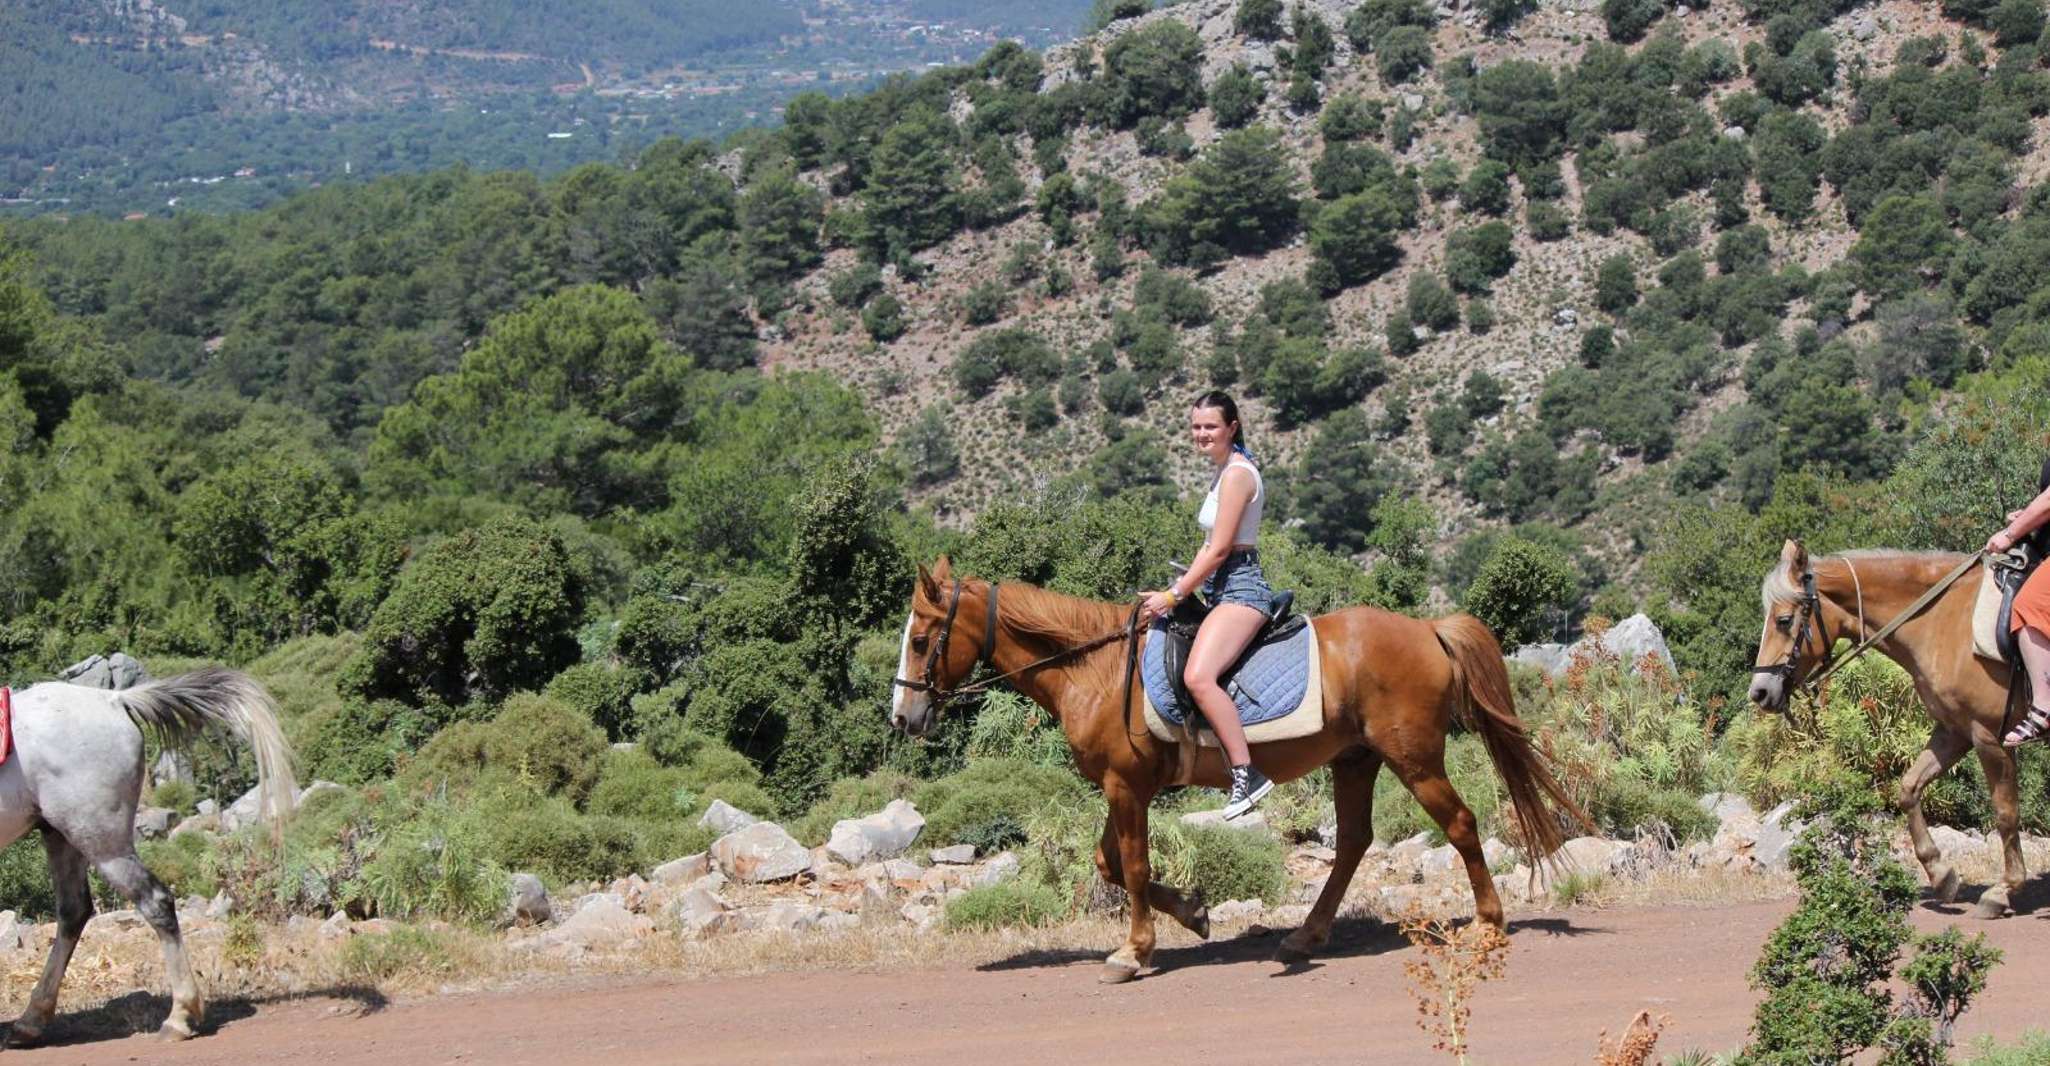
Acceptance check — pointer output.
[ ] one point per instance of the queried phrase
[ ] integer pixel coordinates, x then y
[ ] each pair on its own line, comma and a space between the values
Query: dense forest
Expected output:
482, 472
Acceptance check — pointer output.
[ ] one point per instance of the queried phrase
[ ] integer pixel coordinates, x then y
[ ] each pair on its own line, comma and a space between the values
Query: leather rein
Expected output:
986, 647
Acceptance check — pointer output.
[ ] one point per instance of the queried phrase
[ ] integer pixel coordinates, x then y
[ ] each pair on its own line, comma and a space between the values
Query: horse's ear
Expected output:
942, 570
928, 584
1794, 556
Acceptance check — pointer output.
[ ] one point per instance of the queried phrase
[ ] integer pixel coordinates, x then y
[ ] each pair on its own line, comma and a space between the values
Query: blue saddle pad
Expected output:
1269, 684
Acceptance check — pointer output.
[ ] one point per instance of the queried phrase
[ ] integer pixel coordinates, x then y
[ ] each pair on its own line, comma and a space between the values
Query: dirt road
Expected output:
1570, 975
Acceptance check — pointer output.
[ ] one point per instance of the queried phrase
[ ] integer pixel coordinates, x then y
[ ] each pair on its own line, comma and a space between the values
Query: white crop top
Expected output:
1249, 519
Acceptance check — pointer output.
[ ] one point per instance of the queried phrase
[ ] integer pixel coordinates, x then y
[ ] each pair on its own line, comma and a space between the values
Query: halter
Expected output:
1810, 610
937, 655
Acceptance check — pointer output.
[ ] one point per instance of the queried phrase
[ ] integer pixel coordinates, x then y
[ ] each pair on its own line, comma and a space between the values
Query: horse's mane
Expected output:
1780, 585
1054, 615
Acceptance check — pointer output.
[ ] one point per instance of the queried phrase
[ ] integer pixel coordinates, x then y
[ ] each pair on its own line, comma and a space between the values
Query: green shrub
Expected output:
185, 864
985, 303
631, 784
25, 879
544, 742
601, 692
1011, 904
1221, 863
991, 799
1828, 972
546, 836
853, 287
1520, 590
884, 319
435, 865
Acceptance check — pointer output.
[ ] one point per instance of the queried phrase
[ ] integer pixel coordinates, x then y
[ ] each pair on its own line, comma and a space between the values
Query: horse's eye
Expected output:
1785, 622
918, 642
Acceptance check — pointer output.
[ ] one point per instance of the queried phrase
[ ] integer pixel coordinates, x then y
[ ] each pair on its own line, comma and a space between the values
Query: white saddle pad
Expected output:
1307, 718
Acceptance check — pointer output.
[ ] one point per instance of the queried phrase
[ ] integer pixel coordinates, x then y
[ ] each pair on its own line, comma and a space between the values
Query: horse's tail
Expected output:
214, 699
1480, 681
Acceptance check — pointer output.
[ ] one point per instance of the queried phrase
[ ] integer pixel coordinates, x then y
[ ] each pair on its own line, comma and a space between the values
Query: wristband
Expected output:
1171, 597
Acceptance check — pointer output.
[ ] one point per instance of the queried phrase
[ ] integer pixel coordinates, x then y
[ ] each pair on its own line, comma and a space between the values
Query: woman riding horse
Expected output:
1227, 569
2031, 616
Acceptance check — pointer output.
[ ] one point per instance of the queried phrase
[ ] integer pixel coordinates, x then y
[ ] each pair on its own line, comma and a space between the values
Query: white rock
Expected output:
921, 915
997, 870
1289, 914
1497, 854
1952, 841
117, 921
1253, 822
1629, 641
336, 926
760, 852
1441, 859
1591, 855
222, 906
791, 917
902, 870
699, 912
723, 817
198, 823
529, 900
958, 854
205, 807
1734, 133
15, 934
682, 871
153, 822
882, 835
1723, 806
836, 921
1237, 910
603, 921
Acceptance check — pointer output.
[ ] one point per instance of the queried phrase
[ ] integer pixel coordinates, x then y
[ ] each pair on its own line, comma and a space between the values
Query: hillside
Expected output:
1544, 305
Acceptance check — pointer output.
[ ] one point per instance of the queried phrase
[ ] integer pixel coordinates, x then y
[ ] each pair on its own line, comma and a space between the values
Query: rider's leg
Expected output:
2035, 649
1224, 636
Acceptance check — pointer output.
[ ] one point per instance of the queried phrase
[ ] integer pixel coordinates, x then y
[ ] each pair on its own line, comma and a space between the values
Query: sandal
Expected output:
2034, 725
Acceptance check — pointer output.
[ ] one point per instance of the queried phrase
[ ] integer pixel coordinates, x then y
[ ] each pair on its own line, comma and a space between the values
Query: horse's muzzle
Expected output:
1769, 693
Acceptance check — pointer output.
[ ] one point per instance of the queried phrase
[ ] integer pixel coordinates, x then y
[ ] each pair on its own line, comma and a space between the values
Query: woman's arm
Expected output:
1234, 493
2021, 523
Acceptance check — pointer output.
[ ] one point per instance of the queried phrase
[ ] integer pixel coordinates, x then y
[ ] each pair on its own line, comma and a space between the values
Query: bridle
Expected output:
937, 654
987, 646
1810, 610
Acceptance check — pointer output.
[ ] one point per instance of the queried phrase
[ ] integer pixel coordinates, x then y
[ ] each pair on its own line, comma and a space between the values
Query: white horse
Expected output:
76, 774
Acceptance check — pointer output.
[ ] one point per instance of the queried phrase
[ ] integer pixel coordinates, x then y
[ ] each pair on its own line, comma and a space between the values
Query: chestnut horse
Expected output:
1391, 687
1859, 593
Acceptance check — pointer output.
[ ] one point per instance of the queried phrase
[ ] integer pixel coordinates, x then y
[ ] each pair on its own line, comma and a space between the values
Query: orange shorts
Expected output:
2032, 603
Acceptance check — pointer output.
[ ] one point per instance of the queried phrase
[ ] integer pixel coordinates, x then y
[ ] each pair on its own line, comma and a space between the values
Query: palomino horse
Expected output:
1809, 603
76, 773
1391, 687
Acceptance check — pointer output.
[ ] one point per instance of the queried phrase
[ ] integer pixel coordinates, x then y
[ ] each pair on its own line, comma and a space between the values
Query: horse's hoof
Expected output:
1199, 921
1947, 888
1116, 973
175, 1031
1990, 906
1289, 955
20, 1036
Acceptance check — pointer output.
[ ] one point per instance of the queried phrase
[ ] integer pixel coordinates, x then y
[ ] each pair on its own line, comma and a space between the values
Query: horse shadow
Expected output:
1352, 936
139, 1013
2033, 897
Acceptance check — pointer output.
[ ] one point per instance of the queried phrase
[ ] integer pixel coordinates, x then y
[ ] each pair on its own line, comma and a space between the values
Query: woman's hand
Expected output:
1155, 605
1999, 542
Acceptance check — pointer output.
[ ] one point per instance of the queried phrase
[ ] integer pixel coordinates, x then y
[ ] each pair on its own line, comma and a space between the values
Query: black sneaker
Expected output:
1248, 786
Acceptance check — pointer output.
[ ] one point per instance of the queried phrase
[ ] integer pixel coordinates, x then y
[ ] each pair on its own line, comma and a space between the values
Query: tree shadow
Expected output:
1352, 936
139, 1013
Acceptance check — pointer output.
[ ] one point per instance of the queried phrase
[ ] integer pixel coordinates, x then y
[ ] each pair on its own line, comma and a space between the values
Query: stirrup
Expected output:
2034, 725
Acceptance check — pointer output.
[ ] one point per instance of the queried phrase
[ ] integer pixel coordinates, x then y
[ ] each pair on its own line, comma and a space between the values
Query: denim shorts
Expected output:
1238, 580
